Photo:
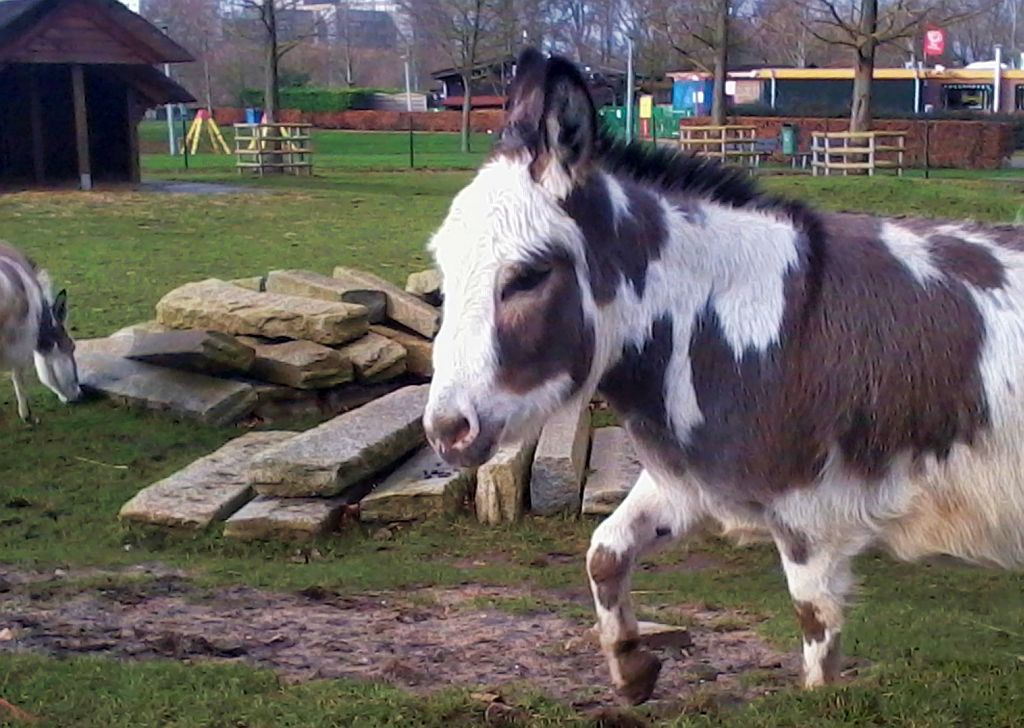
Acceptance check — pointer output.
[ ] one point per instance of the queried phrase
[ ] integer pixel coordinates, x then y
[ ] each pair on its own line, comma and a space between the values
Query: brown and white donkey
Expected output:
831, 381
32, 330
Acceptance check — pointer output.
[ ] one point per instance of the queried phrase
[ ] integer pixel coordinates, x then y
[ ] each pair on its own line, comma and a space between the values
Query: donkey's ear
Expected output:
551, 115
569, 128
525, 105
60, 307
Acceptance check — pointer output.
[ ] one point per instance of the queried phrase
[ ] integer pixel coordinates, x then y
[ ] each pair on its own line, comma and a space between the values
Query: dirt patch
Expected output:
421, 640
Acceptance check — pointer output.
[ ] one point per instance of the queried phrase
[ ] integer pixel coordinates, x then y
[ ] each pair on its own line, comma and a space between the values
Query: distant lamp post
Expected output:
169, 110
408, 110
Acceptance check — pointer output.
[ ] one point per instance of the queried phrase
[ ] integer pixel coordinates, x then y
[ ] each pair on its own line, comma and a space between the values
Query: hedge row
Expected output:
310, 99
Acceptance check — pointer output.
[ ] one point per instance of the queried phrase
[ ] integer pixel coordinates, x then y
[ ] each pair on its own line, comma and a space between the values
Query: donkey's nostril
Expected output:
451, 433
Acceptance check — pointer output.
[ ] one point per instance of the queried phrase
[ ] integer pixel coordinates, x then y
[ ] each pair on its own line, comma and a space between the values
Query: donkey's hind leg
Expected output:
18, 379
820, 579
651, 515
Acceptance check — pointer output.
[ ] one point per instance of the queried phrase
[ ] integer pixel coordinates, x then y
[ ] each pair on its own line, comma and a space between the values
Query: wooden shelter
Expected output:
76, 77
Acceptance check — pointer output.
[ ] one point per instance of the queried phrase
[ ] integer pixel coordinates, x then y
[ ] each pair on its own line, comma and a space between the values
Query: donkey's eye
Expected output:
525, 279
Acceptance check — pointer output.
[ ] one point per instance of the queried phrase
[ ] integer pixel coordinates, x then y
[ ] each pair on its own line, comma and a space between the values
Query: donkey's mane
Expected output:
673, 171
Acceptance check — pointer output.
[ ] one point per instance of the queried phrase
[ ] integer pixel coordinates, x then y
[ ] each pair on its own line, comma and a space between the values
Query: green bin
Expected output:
789, 140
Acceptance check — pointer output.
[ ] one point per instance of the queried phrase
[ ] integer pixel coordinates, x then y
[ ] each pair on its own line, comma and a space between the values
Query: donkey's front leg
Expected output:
651, 515
18, 379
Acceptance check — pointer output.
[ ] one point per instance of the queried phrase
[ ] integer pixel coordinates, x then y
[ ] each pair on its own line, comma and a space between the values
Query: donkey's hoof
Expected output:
639, 670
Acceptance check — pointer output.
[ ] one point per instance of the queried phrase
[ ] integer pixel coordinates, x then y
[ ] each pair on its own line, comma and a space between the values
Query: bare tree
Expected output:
274, 48
864, 25
197, 25
465, 30
699, 32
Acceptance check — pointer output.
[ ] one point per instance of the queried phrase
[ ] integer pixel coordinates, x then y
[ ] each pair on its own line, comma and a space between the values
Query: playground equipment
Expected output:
204, 120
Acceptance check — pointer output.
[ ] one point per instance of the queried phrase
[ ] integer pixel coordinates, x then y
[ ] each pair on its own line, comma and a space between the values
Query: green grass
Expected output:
942, 646
333, 150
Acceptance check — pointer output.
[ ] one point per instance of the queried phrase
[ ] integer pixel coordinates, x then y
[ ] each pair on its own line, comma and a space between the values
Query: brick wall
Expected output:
953, 143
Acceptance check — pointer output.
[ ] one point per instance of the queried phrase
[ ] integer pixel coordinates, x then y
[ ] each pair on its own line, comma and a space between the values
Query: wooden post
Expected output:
134, 172
36, 122
81, 126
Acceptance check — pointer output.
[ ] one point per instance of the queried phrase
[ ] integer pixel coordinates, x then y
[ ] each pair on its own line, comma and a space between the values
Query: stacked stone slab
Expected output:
289, 344
354, 349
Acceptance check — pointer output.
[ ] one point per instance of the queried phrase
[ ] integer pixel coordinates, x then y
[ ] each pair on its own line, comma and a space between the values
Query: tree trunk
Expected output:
860, 106
467, 105
208, 79
272, 91
719, 104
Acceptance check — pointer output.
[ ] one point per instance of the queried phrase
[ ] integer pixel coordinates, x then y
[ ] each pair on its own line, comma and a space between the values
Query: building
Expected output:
827, 91
490, 80
77, 77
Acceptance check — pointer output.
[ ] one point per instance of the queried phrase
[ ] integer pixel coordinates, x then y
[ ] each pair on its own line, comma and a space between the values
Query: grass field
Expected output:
934, 646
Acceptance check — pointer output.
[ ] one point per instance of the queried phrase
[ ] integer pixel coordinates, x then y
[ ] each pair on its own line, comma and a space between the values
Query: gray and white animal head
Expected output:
520, 335
54, 353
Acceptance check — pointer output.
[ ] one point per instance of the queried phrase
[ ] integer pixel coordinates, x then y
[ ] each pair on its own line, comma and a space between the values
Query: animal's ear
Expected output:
552, 114
60, 307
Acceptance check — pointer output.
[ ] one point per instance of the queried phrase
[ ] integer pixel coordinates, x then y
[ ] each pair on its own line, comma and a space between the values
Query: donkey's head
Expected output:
55, 350
520, 335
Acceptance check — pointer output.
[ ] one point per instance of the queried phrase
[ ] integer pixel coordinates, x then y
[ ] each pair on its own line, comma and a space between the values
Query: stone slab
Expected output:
502, 484
375, 358
403, 307
253, 283
143, 327
305, 283
200, 397
215, 305
654, 635
292, 519
299, 364
349, 448
210, 489
560, 462
424, 486
614, 469
425, 284
209, 352
419, 352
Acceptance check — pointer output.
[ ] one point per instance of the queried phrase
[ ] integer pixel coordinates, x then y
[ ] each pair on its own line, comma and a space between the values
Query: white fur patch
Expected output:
911, 250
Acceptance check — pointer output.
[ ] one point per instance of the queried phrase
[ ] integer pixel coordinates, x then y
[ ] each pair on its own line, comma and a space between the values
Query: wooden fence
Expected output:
731, 144
274, 148
845, 152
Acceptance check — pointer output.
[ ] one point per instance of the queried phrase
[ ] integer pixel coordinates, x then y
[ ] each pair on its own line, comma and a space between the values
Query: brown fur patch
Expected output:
607, 570
831, 666
542, 333
968, 262
870, 361
812, 626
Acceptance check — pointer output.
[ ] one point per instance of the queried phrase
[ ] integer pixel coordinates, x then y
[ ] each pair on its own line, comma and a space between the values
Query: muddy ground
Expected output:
421, 640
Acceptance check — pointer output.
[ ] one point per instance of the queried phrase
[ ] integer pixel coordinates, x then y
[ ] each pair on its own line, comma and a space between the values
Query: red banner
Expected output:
934, 42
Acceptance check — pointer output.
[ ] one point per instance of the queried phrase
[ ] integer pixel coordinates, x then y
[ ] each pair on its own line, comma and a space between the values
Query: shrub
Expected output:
311, 98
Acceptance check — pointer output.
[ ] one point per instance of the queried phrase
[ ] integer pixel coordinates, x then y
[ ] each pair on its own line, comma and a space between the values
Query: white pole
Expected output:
629, 91
998, 79
773, 88
917, 87
169, 109
408, 92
